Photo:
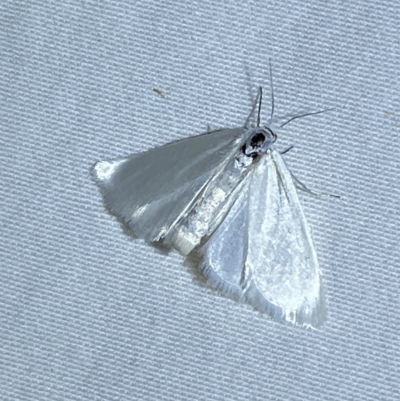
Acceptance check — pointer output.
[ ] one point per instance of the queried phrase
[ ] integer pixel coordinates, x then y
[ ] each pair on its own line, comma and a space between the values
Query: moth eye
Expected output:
257, 140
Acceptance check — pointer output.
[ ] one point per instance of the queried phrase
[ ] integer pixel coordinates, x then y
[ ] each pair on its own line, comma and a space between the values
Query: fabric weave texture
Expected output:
87, 312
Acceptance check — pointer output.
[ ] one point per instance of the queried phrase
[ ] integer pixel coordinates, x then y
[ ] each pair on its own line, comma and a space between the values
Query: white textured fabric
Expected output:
87, 312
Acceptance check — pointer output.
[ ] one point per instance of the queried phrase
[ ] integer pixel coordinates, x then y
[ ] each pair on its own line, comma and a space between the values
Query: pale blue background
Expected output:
87, 313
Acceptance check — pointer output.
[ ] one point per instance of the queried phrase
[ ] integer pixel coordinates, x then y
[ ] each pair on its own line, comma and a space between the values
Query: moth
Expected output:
228, 196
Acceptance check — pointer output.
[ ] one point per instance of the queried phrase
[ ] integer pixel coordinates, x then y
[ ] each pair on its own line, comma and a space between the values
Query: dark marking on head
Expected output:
257, 140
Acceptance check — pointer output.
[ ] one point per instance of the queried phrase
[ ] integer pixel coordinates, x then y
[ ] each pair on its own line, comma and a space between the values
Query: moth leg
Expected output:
303, 187
287, 149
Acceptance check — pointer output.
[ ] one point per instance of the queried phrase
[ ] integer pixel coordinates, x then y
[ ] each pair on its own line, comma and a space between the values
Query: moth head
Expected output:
259, 142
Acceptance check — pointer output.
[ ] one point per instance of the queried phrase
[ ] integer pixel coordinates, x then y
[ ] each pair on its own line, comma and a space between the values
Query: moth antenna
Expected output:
272, 91
259, 106
247, 122
305, 115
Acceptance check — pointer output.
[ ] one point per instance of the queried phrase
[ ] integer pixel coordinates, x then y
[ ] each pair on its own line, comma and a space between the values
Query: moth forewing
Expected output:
153, 190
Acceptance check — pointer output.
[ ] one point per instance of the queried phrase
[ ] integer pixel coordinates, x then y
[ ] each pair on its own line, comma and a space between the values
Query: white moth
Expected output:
227, 196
